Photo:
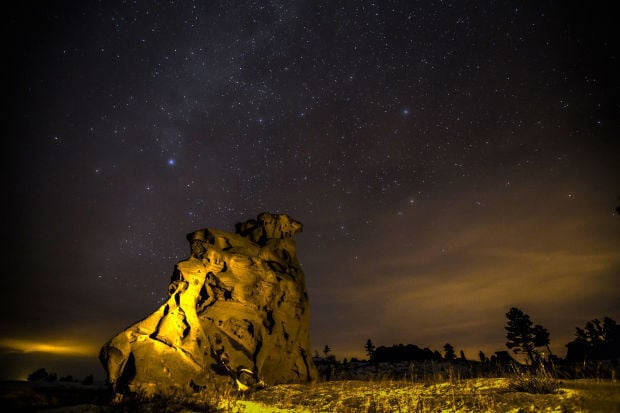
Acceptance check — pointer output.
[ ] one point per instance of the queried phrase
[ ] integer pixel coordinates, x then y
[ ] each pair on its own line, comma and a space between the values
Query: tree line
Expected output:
595, 342
598, 340
42, 375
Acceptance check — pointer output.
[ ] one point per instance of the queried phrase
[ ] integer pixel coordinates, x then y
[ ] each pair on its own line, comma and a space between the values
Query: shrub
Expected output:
38, 375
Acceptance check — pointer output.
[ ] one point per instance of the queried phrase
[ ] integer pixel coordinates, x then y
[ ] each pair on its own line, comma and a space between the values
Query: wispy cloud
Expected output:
450, 272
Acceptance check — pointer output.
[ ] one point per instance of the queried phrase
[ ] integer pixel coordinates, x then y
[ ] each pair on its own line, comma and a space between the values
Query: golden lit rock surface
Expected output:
237, 317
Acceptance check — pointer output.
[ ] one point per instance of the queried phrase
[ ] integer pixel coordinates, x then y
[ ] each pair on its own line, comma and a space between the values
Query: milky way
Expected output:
448, 160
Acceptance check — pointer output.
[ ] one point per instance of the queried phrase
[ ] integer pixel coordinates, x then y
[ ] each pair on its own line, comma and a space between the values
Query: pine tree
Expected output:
326, 350
541, 338
449, 352
40, 374
522, 337
370, 349
598, 341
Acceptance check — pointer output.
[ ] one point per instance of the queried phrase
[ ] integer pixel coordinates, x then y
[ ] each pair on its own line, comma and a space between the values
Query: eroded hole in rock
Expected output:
219, 369
269, 322
128, 374
199, 248
284, 333
197, 388
203, 301
281, 300
247, 377
276, 266
186, 328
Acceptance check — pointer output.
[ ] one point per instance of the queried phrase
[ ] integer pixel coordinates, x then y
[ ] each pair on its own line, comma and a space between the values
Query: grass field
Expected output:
384, 395
469, 395
434, 388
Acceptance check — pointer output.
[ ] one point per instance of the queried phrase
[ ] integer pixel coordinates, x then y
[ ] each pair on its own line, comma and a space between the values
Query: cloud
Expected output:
451, 270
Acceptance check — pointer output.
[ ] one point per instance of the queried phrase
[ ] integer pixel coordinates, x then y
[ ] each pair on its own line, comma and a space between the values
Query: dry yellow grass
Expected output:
469, 395
360, 396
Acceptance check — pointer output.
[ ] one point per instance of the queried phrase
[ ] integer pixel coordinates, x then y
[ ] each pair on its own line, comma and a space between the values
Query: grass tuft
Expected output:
538, 380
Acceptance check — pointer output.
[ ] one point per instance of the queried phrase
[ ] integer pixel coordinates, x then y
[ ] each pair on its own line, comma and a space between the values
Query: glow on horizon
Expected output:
68, 348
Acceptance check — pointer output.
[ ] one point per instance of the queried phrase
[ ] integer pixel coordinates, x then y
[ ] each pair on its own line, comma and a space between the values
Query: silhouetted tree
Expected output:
88, 380
326, 350
400, 352
482, 357
520, 333
463, 355
370, 349
37, 375
502, 358
66, 378
449, 352
596, 341
541, 339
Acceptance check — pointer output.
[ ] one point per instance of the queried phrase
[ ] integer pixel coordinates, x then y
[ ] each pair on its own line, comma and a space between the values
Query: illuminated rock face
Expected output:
237, 316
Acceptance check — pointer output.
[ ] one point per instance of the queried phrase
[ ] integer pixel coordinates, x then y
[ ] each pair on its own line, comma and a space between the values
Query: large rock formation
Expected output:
237, 316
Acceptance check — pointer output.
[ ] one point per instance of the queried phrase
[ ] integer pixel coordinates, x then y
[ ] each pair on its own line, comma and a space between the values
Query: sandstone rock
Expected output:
237, 317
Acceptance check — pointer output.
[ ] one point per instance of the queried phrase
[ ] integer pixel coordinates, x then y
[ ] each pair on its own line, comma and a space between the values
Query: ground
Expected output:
453, 395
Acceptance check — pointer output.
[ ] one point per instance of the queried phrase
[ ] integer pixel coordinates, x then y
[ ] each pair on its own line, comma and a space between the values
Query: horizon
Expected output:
62, 355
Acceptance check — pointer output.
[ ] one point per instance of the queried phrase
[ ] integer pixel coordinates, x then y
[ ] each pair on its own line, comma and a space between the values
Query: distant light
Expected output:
58, 347
406, 111
171, 162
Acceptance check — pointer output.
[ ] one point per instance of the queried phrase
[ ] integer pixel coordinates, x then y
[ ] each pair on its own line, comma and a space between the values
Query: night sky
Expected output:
448, 160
